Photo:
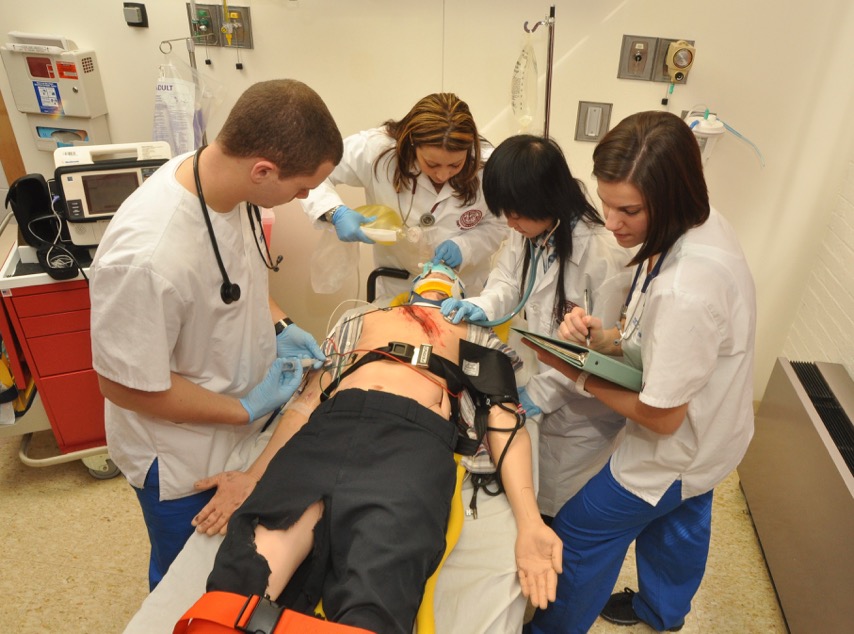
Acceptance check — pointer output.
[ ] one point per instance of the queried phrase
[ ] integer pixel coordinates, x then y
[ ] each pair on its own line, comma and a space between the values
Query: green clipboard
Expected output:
583, 358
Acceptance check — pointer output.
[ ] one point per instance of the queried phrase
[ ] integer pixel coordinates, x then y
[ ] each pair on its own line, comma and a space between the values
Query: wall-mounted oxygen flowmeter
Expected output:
679, 59
59, 88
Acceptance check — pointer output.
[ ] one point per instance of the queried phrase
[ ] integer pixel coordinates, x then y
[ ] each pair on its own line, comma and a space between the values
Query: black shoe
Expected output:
619, 610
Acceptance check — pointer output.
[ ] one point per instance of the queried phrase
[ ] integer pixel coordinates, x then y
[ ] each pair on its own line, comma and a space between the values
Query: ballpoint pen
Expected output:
587, 311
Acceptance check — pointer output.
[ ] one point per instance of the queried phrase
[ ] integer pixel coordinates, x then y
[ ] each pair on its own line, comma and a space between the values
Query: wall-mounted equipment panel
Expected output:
655, 59
237, 28
205, 25
59, 88
211, 26
636, 57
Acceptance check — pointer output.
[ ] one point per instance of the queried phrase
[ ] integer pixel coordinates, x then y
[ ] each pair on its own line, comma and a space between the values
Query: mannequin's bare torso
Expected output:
414, 325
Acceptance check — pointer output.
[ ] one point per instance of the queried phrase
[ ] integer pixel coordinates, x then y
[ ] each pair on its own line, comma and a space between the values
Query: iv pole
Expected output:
550, 22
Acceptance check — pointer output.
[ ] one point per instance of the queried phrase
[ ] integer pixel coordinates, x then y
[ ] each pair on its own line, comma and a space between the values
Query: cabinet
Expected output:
45, 325
798, 480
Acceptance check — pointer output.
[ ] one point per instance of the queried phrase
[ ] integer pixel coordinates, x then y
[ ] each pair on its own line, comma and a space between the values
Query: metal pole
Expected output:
191, 49
549, 63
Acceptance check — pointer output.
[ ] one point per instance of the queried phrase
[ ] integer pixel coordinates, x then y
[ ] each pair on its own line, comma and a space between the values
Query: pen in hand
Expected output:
587, 311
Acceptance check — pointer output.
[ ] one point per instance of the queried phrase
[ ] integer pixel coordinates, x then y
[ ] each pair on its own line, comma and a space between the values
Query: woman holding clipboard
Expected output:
688, 323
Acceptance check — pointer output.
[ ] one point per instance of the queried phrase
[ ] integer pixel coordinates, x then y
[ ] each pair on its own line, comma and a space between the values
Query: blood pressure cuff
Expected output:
489, 374
29, 197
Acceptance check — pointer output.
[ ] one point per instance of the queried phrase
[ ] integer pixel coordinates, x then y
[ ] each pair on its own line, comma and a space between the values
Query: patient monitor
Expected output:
93, 181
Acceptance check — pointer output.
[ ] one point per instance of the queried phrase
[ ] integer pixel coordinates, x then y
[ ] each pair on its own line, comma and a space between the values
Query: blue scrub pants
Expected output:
168, 522
597, 527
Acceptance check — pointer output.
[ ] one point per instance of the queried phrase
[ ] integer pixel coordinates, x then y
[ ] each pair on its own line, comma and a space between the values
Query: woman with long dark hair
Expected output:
560, 239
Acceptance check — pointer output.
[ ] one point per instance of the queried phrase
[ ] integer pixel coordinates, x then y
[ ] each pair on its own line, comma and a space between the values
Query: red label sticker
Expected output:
67, 70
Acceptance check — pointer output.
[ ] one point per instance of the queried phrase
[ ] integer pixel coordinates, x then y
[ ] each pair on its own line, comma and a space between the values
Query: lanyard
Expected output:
635, 319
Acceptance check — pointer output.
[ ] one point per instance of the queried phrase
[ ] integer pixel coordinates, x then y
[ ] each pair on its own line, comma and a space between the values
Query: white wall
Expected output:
824, 318
779, 72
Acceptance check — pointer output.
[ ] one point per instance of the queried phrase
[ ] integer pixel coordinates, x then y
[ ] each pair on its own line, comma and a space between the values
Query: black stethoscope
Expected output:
627, 326
230, 292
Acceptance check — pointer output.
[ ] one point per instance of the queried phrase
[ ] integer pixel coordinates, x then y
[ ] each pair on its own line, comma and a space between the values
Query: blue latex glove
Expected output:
293, 341
457, 309
449, 253
527, 403
348, 225
274, 390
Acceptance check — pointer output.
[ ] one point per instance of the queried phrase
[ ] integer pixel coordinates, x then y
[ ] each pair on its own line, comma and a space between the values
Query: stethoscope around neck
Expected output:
626, 326
535, 256
425, 220
229, 291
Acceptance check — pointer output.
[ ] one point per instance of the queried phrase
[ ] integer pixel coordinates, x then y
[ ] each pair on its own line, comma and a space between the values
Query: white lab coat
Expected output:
473, 228
577, 434
694, 342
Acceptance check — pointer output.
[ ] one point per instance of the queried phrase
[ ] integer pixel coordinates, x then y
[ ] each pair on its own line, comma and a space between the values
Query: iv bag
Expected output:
523, 87
184, 100
333, 263
174, 110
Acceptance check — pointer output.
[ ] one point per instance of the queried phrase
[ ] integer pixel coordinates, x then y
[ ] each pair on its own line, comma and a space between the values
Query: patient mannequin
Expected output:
352, 503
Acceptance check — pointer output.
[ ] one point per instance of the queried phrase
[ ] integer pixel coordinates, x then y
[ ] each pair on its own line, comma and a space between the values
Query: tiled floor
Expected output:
74, 555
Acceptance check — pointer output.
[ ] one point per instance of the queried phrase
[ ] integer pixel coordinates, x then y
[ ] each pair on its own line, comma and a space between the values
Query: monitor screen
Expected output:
106, 192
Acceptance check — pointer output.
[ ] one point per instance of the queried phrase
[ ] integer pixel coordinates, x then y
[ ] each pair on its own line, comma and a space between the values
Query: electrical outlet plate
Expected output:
593, 120
636, 57
659, 68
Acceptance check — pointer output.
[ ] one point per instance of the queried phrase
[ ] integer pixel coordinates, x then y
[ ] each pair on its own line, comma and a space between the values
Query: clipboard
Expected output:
583, 358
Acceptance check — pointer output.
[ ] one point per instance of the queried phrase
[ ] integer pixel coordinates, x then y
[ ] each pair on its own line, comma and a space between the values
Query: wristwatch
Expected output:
579, 384
326, 216
282, 324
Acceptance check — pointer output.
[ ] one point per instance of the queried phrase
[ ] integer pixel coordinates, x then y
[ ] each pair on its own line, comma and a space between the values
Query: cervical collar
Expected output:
422, 284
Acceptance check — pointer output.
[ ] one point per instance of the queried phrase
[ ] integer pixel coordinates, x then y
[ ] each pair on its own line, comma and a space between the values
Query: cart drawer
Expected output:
51, 303
57, 354
44, 325
76, 410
